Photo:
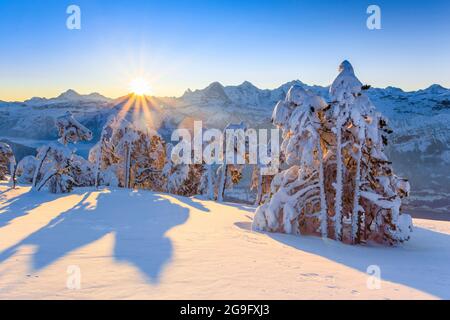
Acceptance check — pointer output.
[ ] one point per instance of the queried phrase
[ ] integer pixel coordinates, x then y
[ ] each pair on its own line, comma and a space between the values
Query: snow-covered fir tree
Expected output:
53, 169
70, 130
7, 163
208, 179
207, 182
227, 176
56, 166
186, 179
262, 176
229, 173
340, 183
260, 184
298, 198
129, 157
25, 170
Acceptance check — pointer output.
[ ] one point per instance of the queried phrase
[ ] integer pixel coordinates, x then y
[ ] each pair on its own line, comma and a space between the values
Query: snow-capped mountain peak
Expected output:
69, 95
286, 86
393, 89
248, 85
435, 89
213, 92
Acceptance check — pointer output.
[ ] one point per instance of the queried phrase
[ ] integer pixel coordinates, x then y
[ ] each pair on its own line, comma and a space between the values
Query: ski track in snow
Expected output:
143, 245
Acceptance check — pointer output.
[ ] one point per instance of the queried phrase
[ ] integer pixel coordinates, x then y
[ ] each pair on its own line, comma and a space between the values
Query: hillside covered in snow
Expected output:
126, 244
419, 146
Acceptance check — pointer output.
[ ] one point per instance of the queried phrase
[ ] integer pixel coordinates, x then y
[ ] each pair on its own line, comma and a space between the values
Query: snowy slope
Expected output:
138, 244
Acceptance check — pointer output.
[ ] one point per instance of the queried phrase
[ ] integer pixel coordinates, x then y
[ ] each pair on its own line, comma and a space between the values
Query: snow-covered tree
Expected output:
56, 166
70, 130
298, 202
340, 183
230, 172
82, 171
186, 179
25, 170
261, 184
129, 156
7, 162
228, 176
207, 182
262, 176
53, 169
147, 161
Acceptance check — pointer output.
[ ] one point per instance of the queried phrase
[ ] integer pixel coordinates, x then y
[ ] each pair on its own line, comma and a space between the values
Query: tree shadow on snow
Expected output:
421, 263
21, 205
190, 202
138, 220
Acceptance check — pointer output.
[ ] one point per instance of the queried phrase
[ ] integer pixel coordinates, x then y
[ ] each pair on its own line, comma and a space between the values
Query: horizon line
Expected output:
199, 89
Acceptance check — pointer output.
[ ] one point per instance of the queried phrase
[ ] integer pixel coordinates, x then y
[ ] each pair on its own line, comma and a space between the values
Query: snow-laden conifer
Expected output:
56, 167
339, 183
129, 157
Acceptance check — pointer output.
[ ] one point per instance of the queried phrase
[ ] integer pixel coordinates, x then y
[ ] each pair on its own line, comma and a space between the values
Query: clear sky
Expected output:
184, 44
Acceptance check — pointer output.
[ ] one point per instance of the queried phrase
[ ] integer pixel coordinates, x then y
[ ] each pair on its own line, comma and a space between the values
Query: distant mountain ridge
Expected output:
70, 96
216, 88
218, 105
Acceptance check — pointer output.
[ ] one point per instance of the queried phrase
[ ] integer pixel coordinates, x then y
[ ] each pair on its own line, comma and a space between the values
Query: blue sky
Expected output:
177, 45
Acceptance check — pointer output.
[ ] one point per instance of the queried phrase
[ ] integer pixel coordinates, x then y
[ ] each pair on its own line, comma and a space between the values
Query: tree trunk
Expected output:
97, 165
338, 185
127, 167
222, 182
210, 182
259, 188
355, 213
38, 168
13, 177
323, 201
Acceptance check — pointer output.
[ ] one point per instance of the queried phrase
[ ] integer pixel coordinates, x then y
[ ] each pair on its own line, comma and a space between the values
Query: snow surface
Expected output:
138, 244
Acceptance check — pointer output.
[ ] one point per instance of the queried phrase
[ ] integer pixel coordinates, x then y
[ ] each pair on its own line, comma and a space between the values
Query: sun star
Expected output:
139, 86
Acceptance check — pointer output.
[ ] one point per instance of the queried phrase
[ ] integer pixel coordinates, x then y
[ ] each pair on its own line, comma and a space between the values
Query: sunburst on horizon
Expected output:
140, 107
139, 87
